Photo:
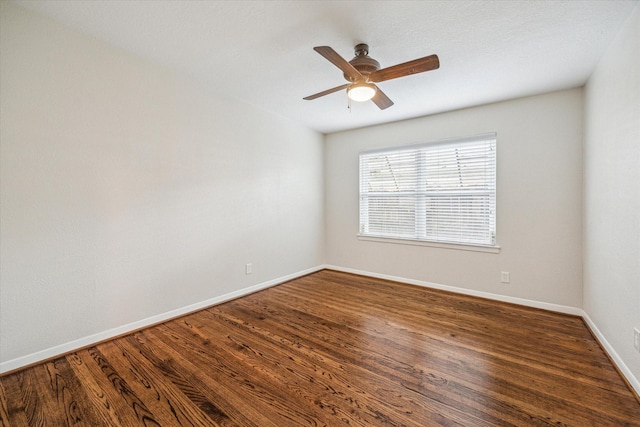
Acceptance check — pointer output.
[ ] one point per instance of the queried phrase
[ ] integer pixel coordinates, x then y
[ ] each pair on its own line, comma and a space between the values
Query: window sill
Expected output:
456, 246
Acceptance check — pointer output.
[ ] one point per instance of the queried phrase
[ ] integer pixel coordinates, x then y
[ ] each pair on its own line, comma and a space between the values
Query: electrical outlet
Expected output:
504, 277
636, 339
248, 268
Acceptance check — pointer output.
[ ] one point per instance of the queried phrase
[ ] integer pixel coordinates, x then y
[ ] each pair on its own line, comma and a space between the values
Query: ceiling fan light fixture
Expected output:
361, 92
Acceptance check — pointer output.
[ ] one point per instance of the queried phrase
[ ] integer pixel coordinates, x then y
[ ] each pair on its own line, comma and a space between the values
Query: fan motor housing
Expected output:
363, 62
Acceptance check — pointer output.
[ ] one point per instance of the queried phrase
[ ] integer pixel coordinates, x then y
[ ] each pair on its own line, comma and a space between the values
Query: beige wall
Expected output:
612, 195
539, 201
128, 191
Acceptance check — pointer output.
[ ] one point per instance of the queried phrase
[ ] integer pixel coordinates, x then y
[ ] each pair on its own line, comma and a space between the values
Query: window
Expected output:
438, 192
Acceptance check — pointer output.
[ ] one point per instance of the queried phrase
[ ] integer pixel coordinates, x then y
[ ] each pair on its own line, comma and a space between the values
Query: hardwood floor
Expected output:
333, 349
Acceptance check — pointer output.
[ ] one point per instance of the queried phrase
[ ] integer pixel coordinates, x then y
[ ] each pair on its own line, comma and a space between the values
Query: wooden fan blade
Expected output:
326, 92
337, 60
420, 65
381, 99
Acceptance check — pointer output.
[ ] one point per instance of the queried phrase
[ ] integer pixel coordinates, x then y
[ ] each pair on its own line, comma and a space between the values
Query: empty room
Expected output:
319, 213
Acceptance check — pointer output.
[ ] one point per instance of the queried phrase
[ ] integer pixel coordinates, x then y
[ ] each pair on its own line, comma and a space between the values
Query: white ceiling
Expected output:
261, 51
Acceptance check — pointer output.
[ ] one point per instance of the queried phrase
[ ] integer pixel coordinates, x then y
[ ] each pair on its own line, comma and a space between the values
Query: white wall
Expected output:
612, 194
539, 201
128, 191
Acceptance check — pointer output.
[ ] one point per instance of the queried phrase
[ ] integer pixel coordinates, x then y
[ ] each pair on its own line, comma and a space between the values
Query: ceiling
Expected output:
262, 51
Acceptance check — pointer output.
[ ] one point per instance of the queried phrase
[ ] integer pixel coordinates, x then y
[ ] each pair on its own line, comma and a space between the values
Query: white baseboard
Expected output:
496, 297
68, 347
622, 367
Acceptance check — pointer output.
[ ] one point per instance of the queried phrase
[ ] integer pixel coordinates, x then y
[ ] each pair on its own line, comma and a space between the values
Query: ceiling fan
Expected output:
363, 72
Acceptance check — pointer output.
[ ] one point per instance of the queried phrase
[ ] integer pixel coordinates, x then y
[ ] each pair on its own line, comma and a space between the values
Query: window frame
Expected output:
420, 213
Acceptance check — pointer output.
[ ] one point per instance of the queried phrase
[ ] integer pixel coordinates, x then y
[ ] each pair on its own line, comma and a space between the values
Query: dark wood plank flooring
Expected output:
333, 349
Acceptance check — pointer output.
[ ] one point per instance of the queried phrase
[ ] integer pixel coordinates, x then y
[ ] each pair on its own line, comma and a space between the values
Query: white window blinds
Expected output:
442, 192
